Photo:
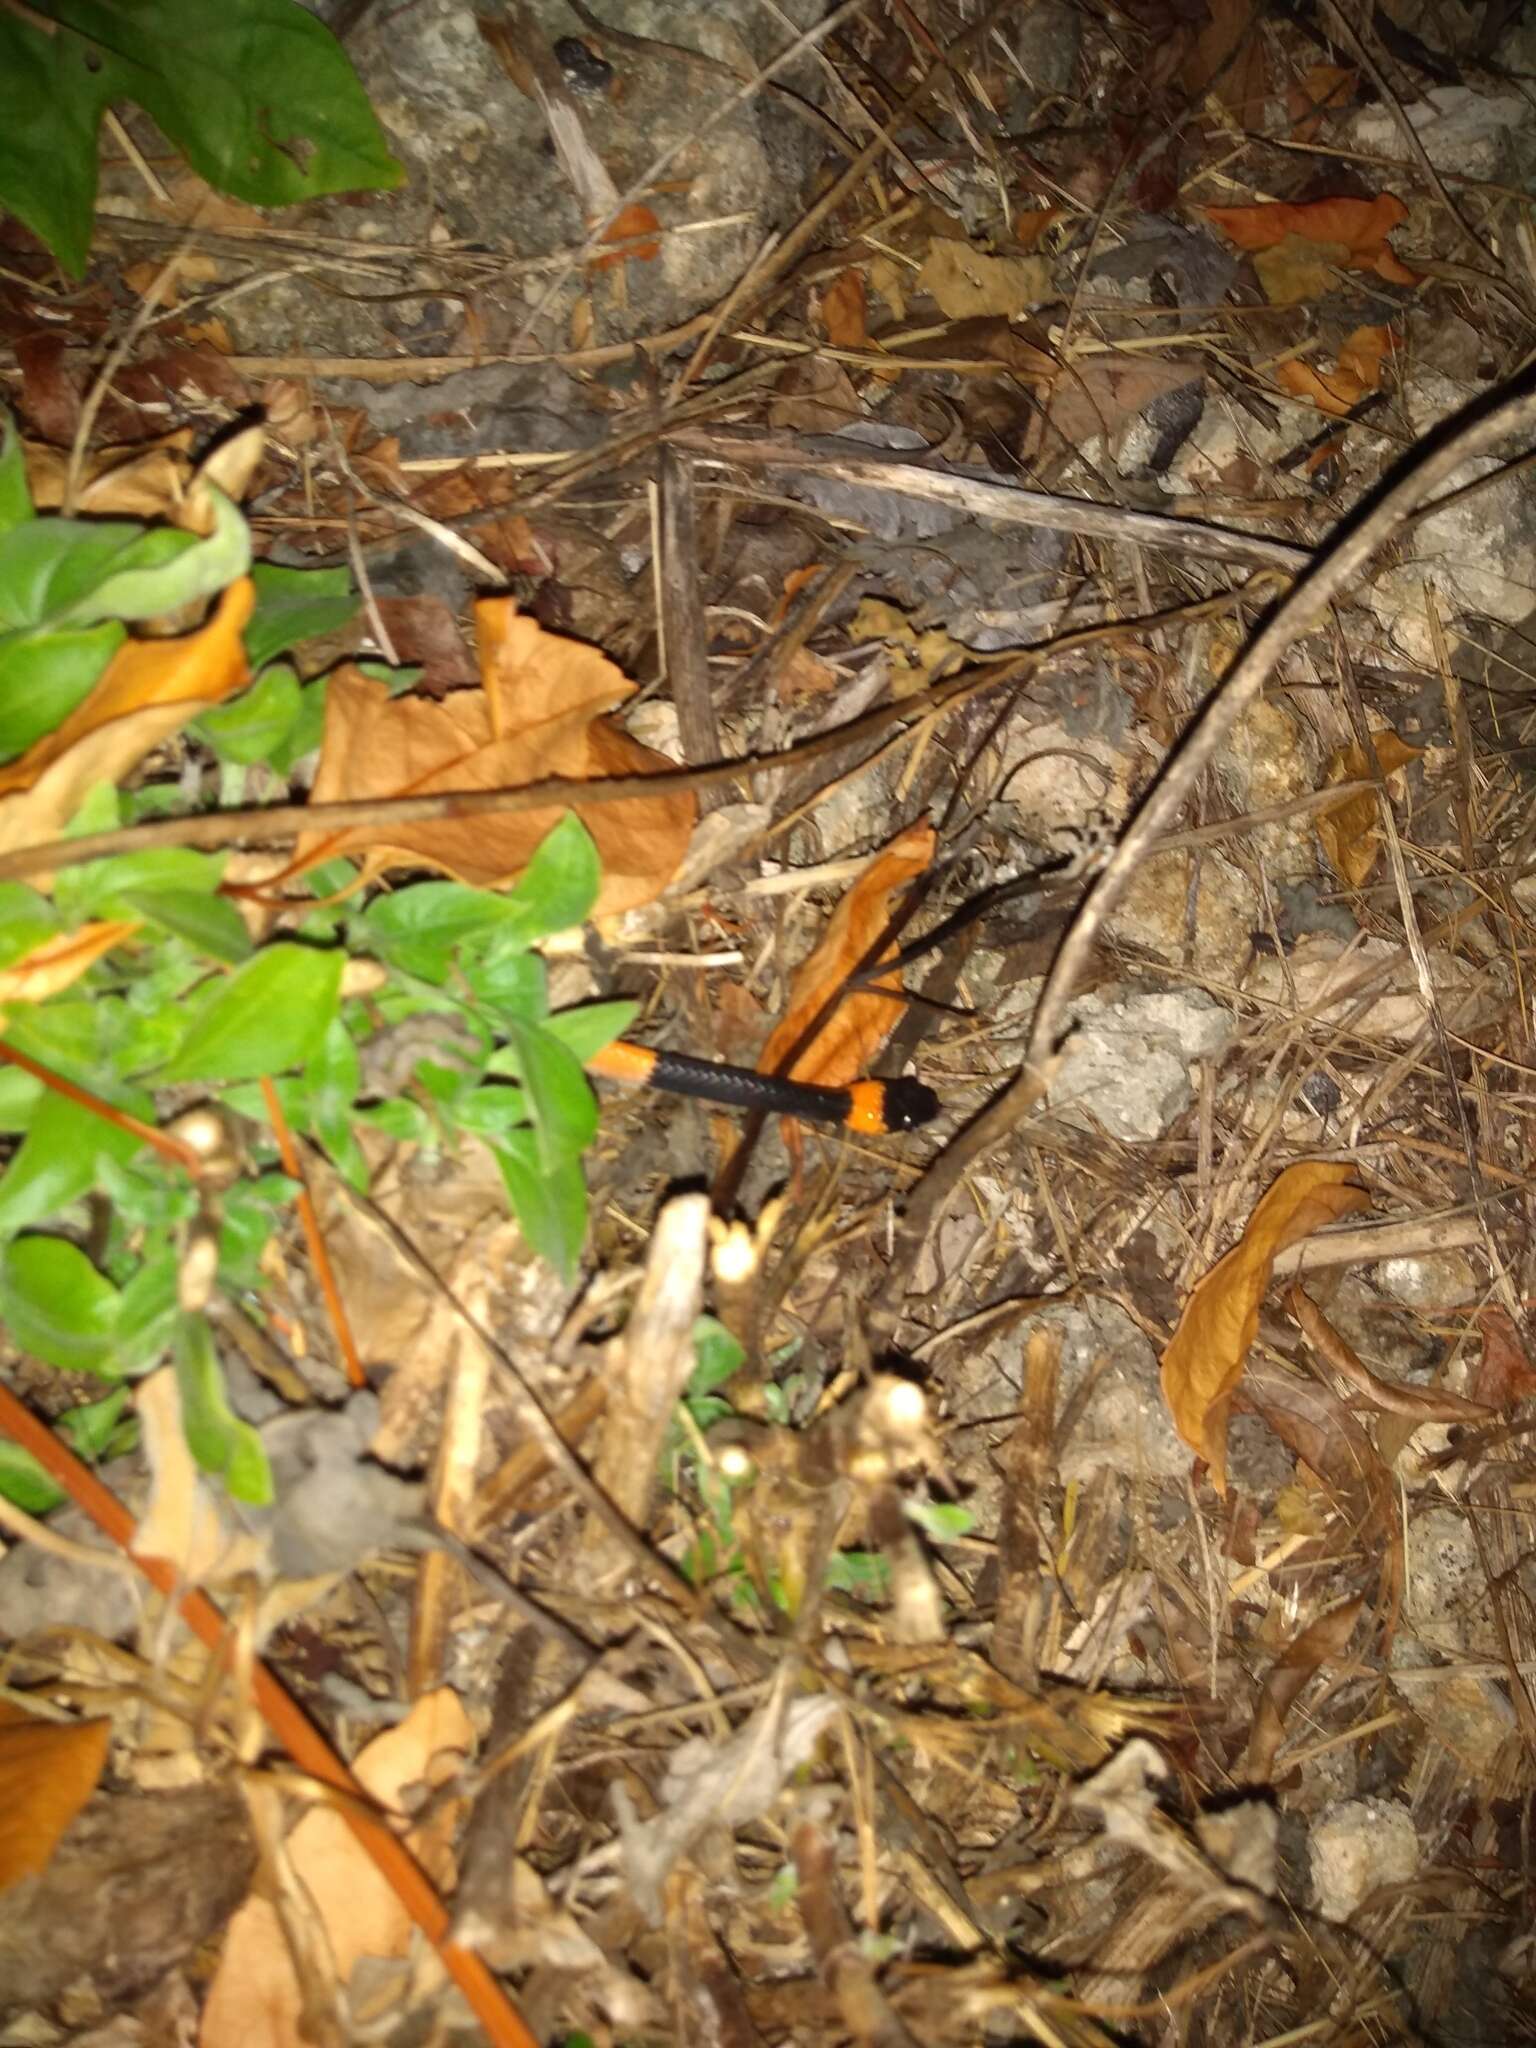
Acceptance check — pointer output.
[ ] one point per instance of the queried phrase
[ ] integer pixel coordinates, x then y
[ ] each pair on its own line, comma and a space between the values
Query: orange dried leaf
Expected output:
1348, 831
538, 712
59, 962
1360, 225
1358, 372
149, 690
854, 1032
48, 1770
1204, 1359
631, 226
1030, 225
843, 310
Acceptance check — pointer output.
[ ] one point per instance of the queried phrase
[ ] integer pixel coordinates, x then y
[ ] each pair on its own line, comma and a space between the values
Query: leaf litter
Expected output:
1166, 1677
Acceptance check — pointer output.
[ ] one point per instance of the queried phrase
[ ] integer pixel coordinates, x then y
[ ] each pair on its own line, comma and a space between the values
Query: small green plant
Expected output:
93, 1219
257, 95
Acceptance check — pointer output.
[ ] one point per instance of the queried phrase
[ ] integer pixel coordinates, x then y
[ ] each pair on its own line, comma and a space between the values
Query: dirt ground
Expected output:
1081, 452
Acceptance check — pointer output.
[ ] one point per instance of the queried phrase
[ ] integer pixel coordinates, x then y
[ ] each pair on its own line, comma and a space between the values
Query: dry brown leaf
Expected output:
1322, 1642
254, 2001
149, 690
180, 1521
1030, 224
1322, 88
48, 1770
539, 712
917, 659
1204, 1359
1349, 831
1416, 1404
813, 396
1503, 1374
1228, 58
1296, 270
843, 311
59, 962
858, 1027
1103, 397
962, 280
1361, 225
139, 481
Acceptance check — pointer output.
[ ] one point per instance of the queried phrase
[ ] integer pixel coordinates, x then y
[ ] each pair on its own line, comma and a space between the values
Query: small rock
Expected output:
1357, 1848
1126, 1065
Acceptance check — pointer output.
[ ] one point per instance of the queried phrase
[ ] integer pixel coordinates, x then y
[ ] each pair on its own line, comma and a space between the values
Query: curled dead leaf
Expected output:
854, 1032
59, 962
1360, 225
1321, 1642
1204, 1360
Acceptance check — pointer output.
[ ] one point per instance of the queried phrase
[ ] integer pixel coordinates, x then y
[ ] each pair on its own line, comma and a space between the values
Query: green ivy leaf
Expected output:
418, 929
269, 1015
256, 94
294, 605
57, 1306
217, 1438
66, 574
510, 985
550, 1204
941, 1520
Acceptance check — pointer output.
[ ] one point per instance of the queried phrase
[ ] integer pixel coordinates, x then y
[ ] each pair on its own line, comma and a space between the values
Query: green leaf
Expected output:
293, 605
550, 1205
105, 888
942, 1520
146, 1313
15, 497
559, 1093
44, 675
143, 591
558, 887
50, 107
57, 1306
585, 1031
417, 929
217, 1438
20, 1094
491, 1112
717, 1354
511, 985
269, 1015
60, 1157
252, 726
257, 95
22, 1479
92, 1427
73, 573
304, 737
26, 919
209, 924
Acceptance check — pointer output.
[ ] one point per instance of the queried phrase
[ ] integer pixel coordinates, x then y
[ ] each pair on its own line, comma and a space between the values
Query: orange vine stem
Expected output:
303, 1741
168, 1147
314, 1237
